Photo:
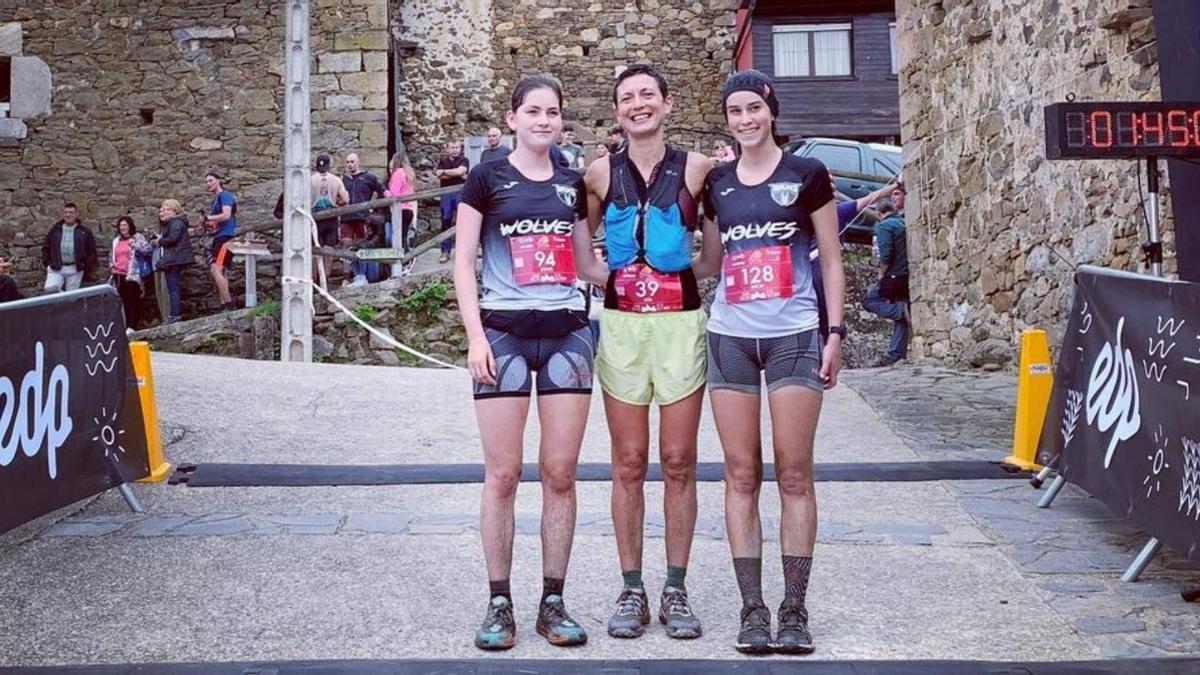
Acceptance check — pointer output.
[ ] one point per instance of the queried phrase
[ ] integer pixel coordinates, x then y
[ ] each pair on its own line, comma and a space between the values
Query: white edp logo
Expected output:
35, 412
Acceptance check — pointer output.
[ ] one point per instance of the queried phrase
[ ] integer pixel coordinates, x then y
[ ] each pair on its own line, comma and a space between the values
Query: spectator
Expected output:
601, 151
494, 149
572, 151
401, 181
361, 186
889, 296
722, 153
176, 246
847, 211
124, 268
68, 251
616, 139
327, 192
8, 285
451, 170
221, 222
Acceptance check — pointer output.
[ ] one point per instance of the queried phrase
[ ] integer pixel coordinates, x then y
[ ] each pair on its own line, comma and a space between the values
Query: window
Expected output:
892, 42
812, 50
838, 157
5, 85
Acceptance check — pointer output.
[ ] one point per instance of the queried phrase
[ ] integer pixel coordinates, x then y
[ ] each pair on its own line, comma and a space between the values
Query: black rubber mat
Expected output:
308, 475
746, 666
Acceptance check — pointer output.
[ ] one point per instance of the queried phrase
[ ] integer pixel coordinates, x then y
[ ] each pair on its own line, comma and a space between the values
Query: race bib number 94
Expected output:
641, 288
542, 259
757, 274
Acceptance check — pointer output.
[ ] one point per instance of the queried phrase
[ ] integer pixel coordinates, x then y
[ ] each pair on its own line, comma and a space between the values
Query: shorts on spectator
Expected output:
219, 253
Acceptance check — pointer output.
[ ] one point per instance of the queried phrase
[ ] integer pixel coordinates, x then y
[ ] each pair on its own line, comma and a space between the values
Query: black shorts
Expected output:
735, 362
219, 253
327, 232
564, 364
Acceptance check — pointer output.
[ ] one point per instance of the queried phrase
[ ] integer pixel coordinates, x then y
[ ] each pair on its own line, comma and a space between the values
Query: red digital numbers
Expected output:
1102, 135
1104, 129
1152, 128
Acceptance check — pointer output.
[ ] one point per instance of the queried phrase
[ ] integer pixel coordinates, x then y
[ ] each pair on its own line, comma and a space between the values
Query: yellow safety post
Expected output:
159, 466
1035, 379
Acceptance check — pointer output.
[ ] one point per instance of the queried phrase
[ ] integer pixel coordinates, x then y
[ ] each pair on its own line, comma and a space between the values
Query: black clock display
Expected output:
1099, 130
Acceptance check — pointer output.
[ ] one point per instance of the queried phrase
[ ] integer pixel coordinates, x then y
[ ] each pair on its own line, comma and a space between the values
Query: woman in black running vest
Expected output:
530, 327
771, 208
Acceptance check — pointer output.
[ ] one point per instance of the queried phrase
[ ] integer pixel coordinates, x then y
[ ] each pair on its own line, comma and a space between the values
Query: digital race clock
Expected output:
1122, 130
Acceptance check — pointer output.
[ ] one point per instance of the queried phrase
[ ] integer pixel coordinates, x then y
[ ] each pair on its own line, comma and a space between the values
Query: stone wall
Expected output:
991, 223
148, 94
464, 59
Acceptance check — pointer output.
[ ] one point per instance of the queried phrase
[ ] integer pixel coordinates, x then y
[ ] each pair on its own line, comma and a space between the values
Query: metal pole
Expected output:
1052, 492
296, 313
1154, 246
1141, 561
130, 498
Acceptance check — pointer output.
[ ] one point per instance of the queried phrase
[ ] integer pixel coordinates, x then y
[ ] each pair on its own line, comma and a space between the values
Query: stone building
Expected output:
993, 228
147, 94
142, 96
460, 60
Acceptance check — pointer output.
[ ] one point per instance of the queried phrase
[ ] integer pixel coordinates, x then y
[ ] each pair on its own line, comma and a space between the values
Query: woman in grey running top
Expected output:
770, 208
529, 330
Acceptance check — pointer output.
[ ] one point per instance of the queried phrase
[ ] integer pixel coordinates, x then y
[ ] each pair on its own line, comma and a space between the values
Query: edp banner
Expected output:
70, 418
1122, 412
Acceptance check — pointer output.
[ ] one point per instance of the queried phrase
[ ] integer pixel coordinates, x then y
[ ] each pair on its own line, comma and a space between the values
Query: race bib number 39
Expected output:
542, 259
757, 274
641, 288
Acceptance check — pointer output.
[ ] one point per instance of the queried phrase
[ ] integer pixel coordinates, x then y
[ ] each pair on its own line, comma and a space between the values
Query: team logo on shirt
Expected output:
785, 194
567, 195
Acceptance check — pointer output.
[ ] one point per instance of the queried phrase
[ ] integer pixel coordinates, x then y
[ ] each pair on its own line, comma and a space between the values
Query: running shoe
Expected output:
499, 630
554, 624
755, 634
632, 615
676, 614
793, 636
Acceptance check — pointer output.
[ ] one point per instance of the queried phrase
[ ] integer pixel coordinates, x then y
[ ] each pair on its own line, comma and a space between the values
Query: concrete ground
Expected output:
936, 570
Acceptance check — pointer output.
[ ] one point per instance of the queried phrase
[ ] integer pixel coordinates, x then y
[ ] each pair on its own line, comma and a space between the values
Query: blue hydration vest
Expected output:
644, 223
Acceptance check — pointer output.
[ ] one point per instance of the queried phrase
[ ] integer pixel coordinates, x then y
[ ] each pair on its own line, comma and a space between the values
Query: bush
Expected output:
366, 312
428, 299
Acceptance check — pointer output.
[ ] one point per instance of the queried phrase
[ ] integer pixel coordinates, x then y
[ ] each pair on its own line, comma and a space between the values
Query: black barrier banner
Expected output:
1122, 412
70, 416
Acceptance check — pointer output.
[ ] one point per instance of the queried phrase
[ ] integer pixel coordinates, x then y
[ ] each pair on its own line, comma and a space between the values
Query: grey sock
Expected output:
749, 579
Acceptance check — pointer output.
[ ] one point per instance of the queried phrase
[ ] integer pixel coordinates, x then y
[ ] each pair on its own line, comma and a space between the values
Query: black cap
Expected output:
323, 162
755, 82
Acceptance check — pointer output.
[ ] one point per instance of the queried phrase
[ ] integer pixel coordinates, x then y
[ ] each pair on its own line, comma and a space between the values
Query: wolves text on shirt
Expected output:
781, 230
536, 226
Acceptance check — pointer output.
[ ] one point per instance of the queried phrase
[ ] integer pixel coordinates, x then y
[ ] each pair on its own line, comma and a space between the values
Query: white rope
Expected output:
371, 329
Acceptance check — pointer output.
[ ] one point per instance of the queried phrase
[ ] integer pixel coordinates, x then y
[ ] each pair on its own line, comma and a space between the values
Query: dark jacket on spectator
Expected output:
85, 247
362, 187
176, 243
8, 289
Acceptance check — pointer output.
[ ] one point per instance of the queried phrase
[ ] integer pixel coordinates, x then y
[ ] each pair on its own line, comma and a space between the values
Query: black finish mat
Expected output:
747, 666
309, 475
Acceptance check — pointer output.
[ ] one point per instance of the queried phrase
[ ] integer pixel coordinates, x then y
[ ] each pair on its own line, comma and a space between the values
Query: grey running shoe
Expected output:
676, 614
632, 614
554, 624
755, 634
499, 630
793, 636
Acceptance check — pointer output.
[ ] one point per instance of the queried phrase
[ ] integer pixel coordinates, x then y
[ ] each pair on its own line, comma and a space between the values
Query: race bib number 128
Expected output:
757, 274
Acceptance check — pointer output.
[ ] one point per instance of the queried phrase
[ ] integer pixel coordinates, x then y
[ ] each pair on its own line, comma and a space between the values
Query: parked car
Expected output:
858, 169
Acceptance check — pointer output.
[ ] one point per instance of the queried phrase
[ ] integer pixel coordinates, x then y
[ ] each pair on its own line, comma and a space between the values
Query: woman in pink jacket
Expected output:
401, 181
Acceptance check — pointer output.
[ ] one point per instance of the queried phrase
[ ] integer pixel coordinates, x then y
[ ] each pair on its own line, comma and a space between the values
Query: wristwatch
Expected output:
840, 331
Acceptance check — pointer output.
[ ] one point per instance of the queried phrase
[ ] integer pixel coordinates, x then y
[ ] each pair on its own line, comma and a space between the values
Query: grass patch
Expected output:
366, 312
266, 308
406, 359
427, 299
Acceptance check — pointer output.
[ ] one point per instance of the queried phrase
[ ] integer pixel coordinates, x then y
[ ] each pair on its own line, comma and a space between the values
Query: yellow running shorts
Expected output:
645, 357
